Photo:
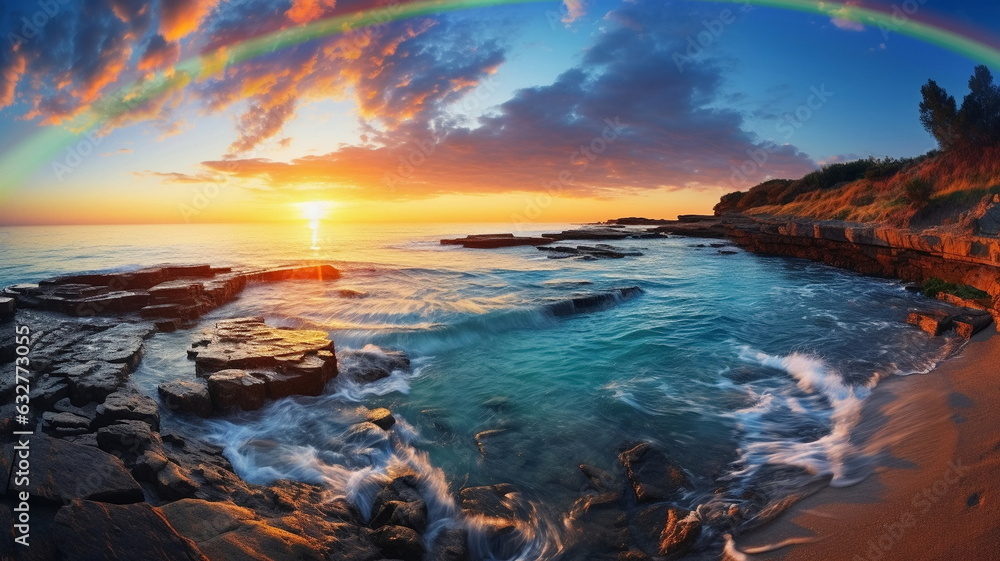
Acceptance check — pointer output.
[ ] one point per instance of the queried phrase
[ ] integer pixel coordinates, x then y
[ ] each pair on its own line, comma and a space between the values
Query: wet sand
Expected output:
936, 492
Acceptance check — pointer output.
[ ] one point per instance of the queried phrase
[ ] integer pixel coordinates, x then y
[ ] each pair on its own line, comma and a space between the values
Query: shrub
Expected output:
918, 191
934, 286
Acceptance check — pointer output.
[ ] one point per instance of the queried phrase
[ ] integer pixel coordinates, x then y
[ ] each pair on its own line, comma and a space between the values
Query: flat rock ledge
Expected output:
167, 294
245, 361
107, 481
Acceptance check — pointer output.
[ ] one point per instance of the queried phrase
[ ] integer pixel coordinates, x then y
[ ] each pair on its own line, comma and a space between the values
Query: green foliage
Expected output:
934, 286
939, 114
729, 202
974, 125
918, 191
835, 174
887, 167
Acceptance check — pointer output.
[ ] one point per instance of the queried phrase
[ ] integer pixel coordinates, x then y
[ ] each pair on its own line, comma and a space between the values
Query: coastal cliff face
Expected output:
876, 250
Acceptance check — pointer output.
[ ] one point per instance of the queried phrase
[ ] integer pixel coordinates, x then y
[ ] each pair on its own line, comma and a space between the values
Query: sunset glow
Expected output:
392, 112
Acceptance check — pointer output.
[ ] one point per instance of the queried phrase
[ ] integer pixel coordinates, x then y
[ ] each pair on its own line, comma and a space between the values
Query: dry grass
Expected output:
959, 183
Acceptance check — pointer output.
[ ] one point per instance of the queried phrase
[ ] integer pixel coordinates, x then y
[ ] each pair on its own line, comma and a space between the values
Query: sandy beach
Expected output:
933, 495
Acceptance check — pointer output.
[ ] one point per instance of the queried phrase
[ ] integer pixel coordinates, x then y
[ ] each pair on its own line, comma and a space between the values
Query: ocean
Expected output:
742, 368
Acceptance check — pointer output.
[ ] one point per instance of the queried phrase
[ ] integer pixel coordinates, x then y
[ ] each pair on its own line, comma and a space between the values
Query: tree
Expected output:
975, 125
939, 115
979, 117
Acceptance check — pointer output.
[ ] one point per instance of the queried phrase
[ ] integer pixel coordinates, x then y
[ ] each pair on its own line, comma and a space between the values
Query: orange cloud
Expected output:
159, 54
304, 11
178, 18
11, 76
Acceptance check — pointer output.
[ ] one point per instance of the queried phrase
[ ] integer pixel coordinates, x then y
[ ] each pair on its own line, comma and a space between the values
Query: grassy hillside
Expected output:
937, 189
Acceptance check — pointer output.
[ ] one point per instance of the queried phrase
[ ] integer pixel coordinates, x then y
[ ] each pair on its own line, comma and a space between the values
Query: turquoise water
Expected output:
731, 364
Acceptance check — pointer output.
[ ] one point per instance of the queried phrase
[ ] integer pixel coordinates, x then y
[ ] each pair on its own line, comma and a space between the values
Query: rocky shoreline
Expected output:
107, 476
108, 480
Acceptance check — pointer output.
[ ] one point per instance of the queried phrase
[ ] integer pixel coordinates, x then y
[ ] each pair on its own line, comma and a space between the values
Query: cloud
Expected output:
848, 25
116, 152
625, 119
159, 54
841, 15
575, 9
304, 11
179, 18
181, 178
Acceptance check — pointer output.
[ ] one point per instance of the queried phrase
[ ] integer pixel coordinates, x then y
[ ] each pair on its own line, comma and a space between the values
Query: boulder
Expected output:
236, 389
128, 405
404, 489
62, 471
371, 363
87, 530
601, 481
186, 396
934, 322
128, 439
173, 482
91, 381
679, 534
398, 513
382, 418
450, 545
989, 223
121, 344
971, 322
399, 542
47, 391
7, 308
652, 475
493, 506
64, 424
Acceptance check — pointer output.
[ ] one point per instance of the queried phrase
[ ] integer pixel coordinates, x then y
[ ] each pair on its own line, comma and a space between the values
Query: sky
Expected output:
532, 112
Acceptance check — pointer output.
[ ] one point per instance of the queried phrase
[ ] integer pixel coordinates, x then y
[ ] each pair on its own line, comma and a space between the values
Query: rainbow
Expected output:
54, 143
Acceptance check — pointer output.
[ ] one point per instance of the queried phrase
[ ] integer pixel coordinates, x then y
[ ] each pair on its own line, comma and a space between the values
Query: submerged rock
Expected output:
592, 302
371, 363
652, 475
600, 251
934, 323
450, 545
493, 241
399, 542
494, 506
381, 417
412, 514
679, 534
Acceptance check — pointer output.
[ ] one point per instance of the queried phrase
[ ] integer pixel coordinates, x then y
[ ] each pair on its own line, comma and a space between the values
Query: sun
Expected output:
314, 211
